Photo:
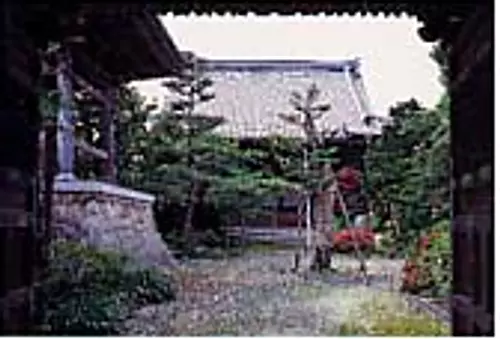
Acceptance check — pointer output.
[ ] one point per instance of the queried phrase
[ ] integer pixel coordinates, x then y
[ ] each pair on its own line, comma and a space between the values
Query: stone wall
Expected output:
109, 217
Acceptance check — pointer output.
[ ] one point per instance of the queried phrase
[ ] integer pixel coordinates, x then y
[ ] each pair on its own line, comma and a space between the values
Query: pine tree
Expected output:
214, 166
316, 167
191, 89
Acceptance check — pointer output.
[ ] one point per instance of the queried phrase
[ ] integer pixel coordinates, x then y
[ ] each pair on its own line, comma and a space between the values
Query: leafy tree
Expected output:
408, 168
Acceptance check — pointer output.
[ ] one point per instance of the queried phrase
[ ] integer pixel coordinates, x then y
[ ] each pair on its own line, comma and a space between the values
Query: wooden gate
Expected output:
21, 226
472, 152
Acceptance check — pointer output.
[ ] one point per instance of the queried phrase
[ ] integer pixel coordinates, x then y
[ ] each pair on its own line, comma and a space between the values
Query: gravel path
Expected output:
257, 295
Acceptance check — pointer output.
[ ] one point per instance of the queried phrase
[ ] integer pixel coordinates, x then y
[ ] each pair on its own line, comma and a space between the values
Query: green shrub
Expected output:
398, 325
385, 316
90, 292
170, 217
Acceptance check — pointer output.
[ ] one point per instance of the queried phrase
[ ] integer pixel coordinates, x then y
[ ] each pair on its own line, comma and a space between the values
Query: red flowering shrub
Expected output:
410, 276
414, 276
344, 240
429, 268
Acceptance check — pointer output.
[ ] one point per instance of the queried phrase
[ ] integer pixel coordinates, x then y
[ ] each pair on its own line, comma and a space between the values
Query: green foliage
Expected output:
409, 170
231, 179
91, 292
386, 317
175, 154
439, 260
133, 138
48, 105
398, 325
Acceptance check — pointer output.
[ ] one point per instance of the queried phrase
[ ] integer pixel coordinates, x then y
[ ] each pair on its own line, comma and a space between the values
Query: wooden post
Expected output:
308, 211
274, 216
108, 142
242, 235
65, 121
19, 220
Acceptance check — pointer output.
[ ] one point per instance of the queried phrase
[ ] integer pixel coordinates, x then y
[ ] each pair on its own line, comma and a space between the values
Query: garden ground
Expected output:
256, 294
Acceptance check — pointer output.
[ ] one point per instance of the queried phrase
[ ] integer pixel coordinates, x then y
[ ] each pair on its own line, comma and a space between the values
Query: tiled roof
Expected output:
250, 94
337, 7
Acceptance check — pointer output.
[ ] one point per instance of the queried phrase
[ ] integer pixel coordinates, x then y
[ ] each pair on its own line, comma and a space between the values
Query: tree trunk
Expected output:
194, 197
323, 221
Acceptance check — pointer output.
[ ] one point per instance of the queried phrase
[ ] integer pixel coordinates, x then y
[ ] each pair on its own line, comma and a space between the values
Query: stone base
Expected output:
109, 217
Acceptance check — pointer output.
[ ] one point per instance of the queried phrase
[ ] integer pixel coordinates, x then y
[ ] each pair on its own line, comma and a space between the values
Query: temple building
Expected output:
251, 94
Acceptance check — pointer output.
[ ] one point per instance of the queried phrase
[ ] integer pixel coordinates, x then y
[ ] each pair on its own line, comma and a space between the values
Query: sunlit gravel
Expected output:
257, 294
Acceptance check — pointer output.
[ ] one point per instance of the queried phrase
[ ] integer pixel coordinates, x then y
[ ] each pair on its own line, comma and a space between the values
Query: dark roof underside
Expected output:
286, 65
135, 47
120, 44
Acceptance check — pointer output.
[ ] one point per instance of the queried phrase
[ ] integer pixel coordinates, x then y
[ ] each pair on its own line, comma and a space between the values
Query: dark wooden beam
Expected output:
89, 149
95, 92
107, 132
